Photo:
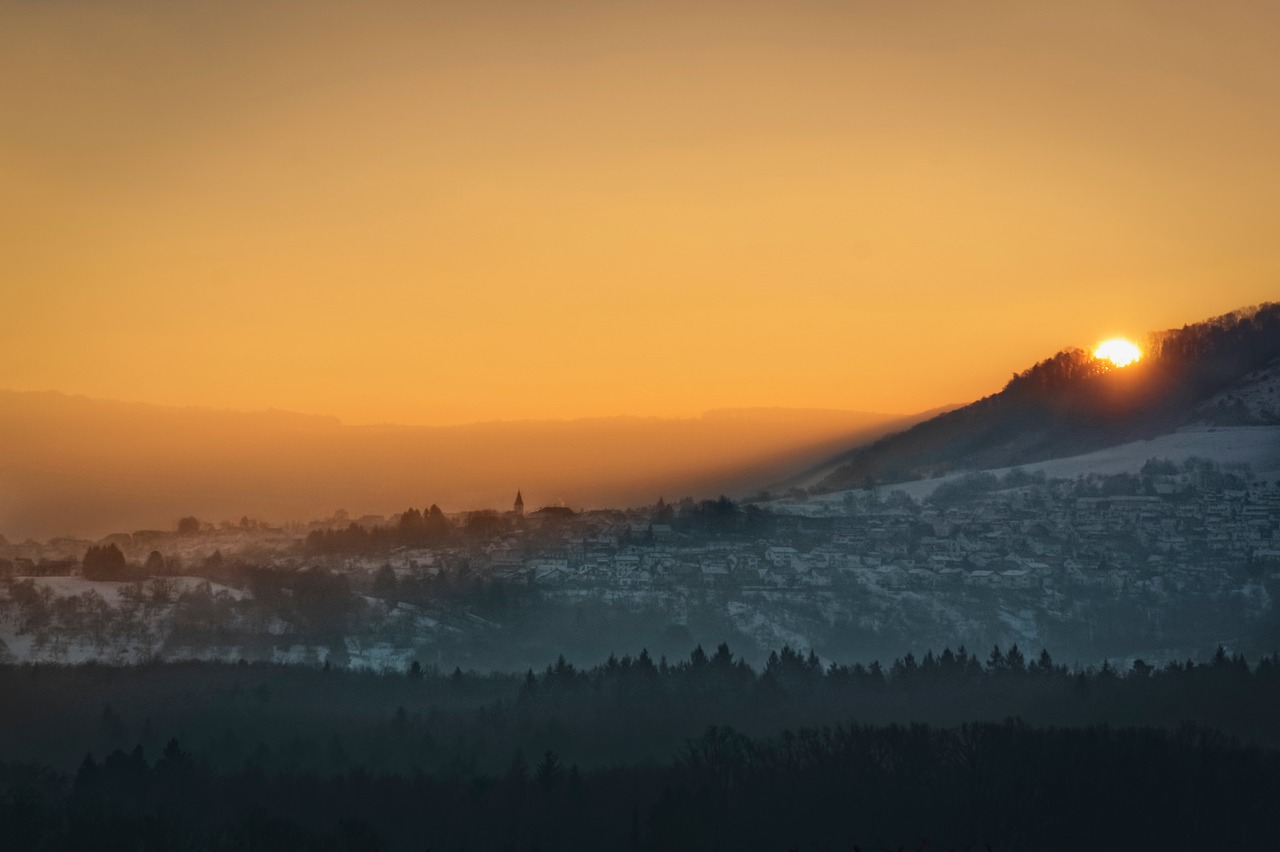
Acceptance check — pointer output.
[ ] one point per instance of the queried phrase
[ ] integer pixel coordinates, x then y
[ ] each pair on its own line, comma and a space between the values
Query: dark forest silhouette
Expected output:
703, 753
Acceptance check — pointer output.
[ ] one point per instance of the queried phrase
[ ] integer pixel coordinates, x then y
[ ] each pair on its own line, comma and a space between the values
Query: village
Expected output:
1092, 563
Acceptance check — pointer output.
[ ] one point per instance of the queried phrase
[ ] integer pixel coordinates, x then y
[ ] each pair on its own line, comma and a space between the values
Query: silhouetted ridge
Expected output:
1074, 403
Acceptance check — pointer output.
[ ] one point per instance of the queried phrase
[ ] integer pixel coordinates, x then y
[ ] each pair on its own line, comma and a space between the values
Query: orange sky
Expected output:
437, 212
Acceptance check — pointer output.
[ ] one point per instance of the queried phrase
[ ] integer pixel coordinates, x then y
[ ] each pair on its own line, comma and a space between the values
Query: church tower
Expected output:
519, 507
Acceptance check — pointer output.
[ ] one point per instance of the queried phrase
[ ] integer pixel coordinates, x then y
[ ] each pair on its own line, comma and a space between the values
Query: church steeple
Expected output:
519, 508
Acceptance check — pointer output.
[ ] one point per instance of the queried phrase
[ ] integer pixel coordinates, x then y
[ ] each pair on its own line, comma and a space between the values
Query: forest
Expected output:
943, 751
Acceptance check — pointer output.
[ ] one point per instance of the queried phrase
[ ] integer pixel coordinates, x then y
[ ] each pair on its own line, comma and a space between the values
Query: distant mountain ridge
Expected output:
74, 465
1222, 371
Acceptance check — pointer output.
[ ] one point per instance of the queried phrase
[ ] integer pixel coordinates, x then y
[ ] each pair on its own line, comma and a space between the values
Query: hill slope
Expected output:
1222, 372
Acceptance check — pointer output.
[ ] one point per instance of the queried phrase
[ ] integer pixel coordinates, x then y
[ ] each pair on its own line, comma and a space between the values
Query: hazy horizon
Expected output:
759, 410
71, 465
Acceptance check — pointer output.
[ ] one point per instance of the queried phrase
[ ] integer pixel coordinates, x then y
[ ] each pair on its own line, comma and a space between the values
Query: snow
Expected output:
1257, 446
767, 631
1023, 623
110, 590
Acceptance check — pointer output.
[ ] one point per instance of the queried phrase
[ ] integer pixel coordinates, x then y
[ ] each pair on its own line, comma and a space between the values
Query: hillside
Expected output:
1220, 372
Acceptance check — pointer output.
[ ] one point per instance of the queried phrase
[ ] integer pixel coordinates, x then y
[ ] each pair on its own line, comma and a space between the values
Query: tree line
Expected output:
634, 753
991, 785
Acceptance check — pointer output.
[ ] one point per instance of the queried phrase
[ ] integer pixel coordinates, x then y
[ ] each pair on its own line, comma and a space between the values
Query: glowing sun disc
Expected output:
1118, 351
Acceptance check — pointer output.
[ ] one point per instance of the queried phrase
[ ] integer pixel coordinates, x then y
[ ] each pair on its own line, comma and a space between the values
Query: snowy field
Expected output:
110, 591
1257, 446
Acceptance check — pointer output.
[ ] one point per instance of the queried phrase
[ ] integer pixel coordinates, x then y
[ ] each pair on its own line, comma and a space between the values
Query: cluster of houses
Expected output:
1056, 533
879, 563
1037, 536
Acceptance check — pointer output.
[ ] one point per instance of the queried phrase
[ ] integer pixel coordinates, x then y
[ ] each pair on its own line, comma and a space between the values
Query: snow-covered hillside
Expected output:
1256, 446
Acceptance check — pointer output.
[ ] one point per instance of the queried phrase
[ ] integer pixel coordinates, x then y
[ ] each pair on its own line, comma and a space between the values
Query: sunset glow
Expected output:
441, 213
1118, 351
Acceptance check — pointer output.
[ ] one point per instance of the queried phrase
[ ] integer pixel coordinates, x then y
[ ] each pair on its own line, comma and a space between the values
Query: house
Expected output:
1016, 578
779, 556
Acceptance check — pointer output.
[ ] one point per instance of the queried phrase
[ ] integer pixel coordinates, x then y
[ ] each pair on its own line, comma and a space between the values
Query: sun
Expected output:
1120, 352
